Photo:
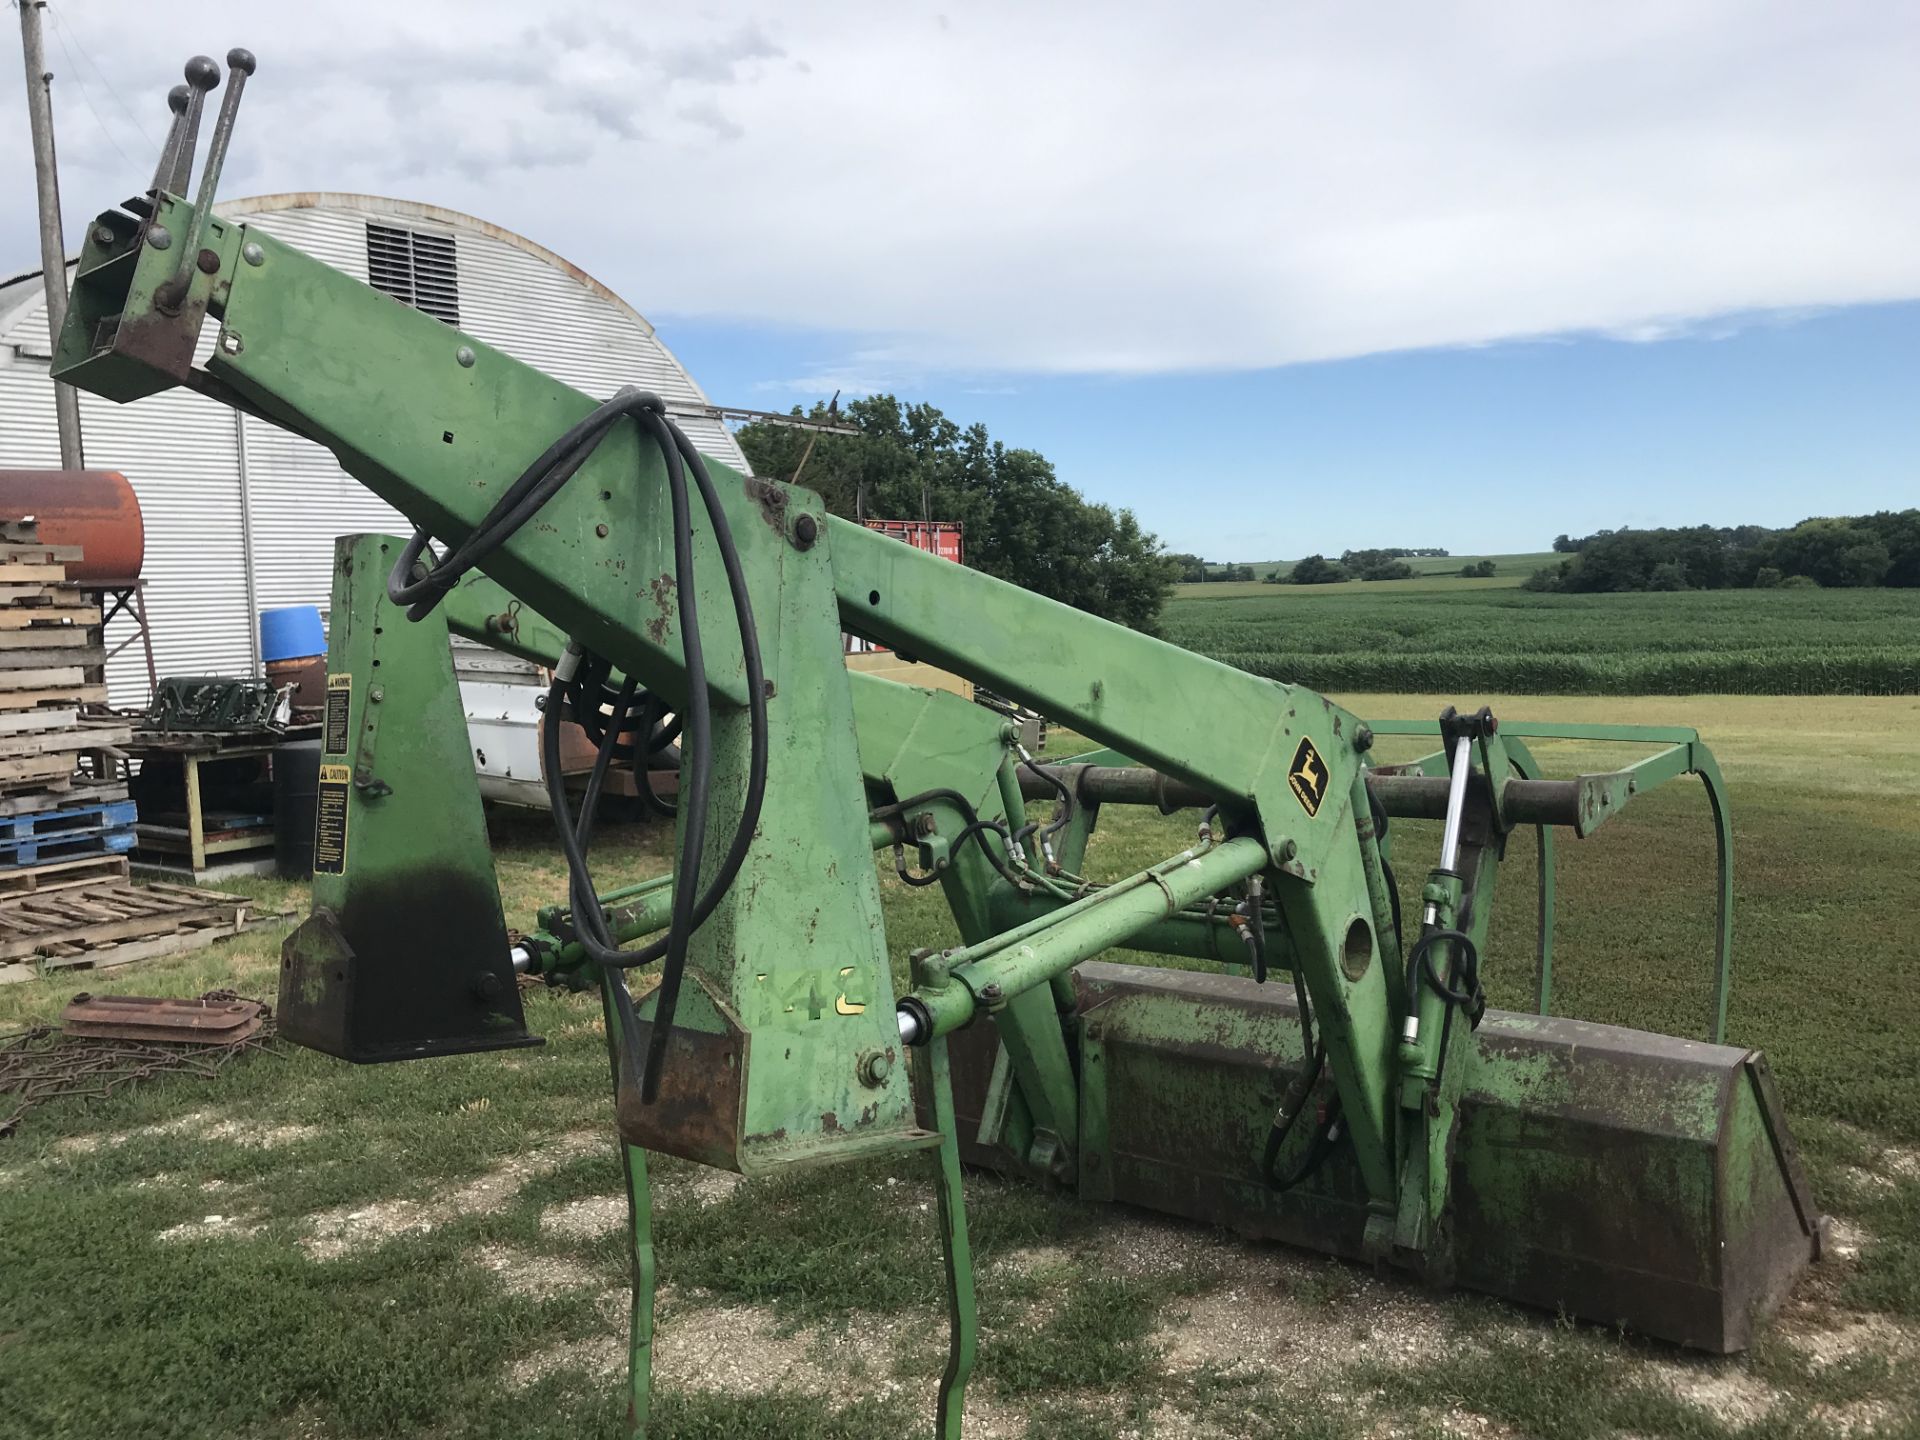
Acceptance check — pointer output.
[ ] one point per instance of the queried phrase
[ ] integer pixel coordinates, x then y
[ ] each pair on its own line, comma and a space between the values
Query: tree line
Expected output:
1022, 522
1382, 564
1388, 563
1828, 551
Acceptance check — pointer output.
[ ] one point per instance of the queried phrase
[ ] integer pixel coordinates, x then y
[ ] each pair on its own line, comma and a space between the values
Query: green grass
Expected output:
106, 1331
1461, 635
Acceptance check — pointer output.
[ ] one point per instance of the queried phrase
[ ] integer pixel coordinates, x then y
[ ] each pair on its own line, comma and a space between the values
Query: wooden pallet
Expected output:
50, 651
23, 572
36, 773
82, 736
44, 717
193, 926
47, 761
17, 619
58, 876
73, 694
32, 552
40, 677
78, 793
82, 815
65, 845
35, 593
76, 926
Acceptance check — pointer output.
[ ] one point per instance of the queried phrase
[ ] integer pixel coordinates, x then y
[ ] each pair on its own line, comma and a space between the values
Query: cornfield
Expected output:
1733, 642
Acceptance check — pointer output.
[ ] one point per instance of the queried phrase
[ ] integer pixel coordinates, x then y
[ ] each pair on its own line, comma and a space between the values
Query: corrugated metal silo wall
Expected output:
182, 453
179, 452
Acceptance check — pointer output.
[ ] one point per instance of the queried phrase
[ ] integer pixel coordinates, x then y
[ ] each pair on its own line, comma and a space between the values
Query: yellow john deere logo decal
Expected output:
1308, 777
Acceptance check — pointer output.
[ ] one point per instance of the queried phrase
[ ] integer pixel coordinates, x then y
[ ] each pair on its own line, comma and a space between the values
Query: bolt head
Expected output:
230, 342
991, 993
159, 237
102, 235
806, 530
208, 261
465, 356
601, 531
1363, 739
253, 254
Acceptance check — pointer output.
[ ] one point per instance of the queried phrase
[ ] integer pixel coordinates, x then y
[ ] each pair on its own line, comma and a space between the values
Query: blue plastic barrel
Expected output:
293, 633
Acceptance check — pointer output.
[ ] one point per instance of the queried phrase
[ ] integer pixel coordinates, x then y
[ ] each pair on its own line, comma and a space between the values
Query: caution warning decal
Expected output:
330, 820
1308, 777
339, 699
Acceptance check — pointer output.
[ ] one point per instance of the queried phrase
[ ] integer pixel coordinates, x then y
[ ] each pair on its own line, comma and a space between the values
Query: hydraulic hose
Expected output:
974, 827
523, 499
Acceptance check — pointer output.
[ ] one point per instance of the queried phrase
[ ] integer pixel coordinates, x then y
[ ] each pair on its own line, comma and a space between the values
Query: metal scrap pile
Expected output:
104, 1043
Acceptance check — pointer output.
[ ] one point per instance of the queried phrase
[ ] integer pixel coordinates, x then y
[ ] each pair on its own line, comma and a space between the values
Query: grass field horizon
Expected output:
1441, 633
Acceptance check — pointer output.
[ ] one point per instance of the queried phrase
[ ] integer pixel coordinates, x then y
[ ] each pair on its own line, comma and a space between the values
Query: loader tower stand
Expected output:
1334, 1079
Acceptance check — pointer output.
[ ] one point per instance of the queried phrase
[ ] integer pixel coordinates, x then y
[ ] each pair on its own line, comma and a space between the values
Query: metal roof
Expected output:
23, 288
431, 214
18, 294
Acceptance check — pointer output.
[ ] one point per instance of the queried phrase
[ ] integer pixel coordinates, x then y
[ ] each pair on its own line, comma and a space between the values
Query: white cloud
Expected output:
1104, 188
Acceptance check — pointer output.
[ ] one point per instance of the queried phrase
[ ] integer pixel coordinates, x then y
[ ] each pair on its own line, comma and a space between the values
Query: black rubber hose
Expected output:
697, 767
649, 797
1386, 867
1325, 1136
1257, 931
659, 737
1206, 823
932, 877
1469, 997
1466, 967
537, 484
1292, 1103
974, 826
1066, 801
977, 831
755, 671
589, 920
589, 813
755, 677
521, 501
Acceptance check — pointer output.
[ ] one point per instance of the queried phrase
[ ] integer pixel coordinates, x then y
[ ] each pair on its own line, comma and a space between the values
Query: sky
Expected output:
1283, 277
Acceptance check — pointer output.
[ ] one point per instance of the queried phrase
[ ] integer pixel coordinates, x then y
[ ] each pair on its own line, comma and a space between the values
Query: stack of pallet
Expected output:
61, 810
93, 925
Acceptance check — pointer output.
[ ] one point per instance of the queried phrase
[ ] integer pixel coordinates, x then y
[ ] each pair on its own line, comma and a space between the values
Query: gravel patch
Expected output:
337, 1232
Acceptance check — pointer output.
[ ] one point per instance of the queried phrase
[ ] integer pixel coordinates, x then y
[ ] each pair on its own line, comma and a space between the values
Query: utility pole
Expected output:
53, 250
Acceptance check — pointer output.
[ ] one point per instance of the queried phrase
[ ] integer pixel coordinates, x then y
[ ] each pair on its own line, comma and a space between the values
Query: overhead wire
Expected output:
80, 84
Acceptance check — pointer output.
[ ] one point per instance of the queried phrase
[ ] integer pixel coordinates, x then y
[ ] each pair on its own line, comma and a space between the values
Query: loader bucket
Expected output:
1609, 1174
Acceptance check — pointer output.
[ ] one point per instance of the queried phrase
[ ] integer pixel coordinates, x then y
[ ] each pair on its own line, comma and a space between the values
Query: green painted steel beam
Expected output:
985, 976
